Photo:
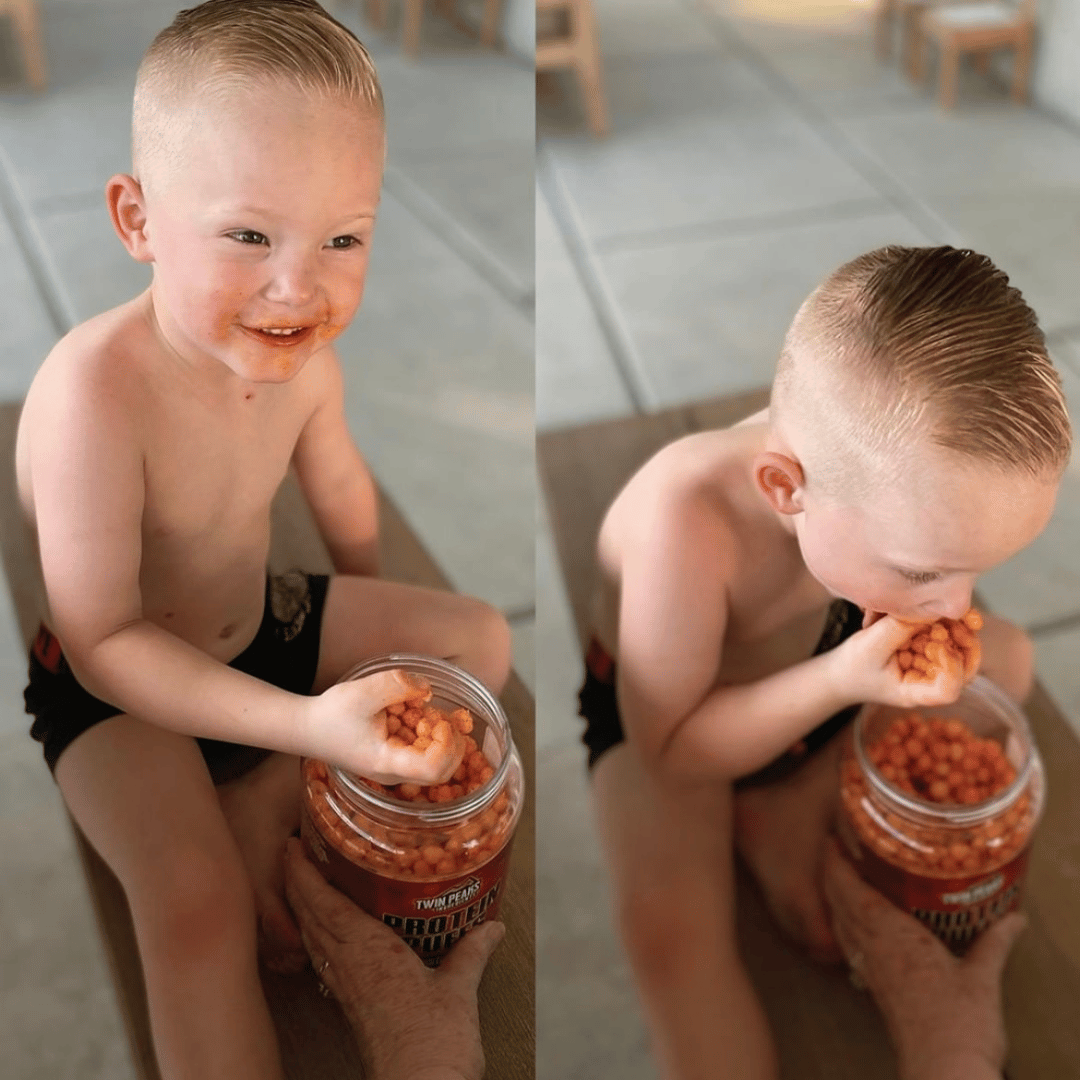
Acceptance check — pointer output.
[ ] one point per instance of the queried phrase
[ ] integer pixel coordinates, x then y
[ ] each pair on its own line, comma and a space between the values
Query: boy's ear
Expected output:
127, 208
781, 481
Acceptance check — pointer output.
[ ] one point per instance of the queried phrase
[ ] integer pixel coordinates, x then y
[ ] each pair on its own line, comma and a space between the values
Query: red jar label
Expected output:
956, 909
428, 915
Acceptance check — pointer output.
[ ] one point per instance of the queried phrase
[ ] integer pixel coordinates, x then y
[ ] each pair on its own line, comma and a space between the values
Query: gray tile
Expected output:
698, 139
447, 102
74, 136
94, 271
524, 646
29, 331
559, 667
709, 317
648, 27
589, 1023
439, 377
825, 53
489, 191
58, 1015
576, 376
1055, 664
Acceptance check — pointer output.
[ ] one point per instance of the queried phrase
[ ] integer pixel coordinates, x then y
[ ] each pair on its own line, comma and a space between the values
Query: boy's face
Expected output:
915, 549
264, 225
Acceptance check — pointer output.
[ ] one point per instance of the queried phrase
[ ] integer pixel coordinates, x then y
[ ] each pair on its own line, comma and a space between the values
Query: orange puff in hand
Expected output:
932, 645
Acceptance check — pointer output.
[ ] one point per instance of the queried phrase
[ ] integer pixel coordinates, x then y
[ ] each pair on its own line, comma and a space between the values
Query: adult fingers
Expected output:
848, 895
317, 904
470, 955
991, 950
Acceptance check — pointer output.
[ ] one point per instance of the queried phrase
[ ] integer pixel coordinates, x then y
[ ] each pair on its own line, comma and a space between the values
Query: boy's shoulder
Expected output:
699, 485
103, 359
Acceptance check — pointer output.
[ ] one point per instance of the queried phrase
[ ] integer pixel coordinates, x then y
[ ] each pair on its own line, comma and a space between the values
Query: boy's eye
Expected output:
249, 236
343, 243
920, 579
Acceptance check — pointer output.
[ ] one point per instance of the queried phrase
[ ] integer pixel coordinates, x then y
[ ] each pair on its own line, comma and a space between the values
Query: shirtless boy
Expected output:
915, 438
152, 442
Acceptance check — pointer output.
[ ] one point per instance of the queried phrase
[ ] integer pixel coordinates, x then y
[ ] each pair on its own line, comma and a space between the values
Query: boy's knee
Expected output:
670, 926
489, 643
199, 905
1008, 658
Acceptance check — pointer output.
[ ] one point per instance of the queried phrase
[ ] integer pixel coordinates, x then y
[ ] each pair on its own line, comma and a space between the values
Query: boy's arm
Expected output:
87, 478
336, 481
672, 618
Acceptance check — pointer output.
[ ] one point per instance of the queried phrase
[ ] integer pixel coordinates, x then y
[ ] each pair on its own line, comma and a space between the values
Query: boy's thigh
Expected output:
1008, 656
669, 847
366, 617
143, 797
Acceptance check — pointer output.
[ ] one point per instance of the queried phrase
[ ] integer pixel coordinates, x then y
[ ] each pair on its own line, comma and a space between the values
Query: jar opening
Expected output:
454, 688
988, 711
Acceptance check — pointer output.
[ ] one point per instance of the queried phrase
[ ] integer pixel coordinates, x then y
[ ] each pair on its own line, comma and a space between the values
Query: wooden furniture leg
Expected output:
28, 31
410, 38
489, 27
1022, 66
950, 67
588, 65
376, 13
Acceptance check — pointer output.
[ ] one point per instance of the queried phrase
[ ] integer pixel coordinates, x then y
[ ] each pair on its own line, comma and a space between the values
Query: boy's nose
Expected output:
952, 604
292, 282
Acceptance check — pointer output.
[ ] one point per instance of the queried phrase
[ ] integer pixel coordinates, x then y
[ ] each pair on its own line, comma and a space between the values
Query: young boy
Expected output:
151, 444
754, 583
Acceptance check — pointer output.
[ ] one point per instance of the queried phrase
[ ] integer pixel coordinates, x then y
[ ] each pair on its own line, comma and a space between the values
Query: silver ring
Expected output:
855, 975
322, 967
325, 990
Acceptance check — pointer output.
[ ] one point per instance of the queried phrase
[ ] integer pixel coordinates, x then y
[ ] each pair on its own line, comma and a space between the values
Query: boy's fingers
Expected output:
470, 955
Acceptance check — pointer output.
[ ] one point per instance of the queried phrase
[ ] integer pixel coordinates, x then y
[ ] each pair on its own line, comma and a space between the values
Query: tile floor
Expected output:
439, 370
755, 145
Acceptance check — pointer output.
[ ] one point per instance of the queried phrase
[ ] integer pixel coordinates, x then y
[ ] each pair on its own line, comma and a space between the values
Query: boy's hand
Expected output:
867, 669
349, 729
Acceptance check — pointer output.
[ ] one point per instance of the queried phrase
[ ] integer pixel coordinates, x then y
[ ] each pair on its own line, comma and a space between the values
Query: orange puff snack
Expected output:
416, 724
932, 645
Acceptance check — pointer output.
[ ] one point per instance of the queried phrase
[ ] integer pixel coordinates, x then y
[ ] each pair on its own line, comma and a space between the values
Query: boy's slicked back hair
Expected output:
935, 342
225, 43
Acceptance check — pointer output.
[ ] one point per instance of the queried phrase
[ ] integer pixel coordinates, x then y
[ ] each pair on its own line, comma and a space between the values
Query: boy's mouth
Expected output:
281, 335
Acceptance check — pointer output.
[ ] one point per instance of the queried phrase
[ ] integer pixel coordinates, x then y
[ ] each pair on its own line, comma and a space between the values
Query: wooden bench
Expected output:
825, 1029
316, 1043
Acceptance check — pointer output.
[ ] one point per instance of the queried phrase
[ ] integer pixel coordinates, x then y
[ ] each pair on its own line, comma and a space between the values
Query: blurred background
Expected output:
753, 146
439, 384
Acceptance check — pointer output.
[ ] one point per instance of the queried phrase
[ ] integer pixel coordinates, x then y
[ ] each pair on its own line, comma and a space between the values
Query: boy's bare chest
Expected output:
209, 474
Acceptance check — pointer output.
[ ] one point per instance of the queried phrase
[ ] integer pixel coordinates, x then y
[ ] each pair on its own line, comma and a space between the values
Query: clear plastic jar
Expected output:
957, 867
430, 871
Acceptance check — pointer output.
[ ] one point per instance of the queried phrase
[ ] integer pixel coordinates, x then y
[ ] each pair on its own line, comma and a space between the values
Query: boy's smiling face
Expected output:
260, 233
915, 548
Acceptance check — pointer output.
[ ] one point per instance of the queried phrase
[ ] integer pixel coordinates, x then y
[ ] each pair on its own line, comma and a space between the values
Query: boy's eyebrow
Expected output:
262, 211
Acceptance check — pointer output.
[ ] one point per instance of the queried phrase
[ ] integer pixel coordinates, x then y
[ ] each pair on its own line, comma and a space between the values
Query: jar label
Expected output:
957, 909
428, 915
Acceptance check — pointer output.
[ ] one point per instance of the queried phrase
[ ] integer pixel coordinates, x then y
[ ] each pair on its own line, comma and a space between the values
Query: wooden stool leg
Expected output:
376, 13
489, 28
883, 23
28, 30
981, 60
914, 45
414, 15
950, 66
1022, 67
588, 65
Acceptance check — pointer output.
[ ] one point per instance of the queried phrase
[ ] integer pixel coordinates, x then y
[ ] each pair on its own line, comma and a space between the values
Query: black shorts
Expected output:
284, 652
603, 727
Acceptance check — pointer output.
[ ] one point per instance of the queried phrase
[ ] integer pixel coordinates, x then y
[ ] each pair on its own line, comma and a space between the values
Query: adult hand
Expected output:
943, 1013
411, 1022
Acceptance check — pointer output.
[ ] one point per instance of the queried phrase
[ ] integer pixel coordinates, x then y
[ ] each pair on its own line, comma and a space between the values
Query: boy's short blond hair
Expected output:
902, 346
212, 50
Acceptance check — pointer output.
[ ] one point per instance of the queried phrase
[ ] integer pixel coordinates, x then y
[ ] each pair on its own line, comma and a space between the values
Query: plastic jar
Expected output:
430, 871
955, 867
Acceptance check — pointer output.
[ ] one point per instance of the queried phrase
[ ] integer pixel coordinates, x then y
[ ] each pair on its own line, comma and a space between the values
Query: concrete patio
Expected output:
439, 388
755, 145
